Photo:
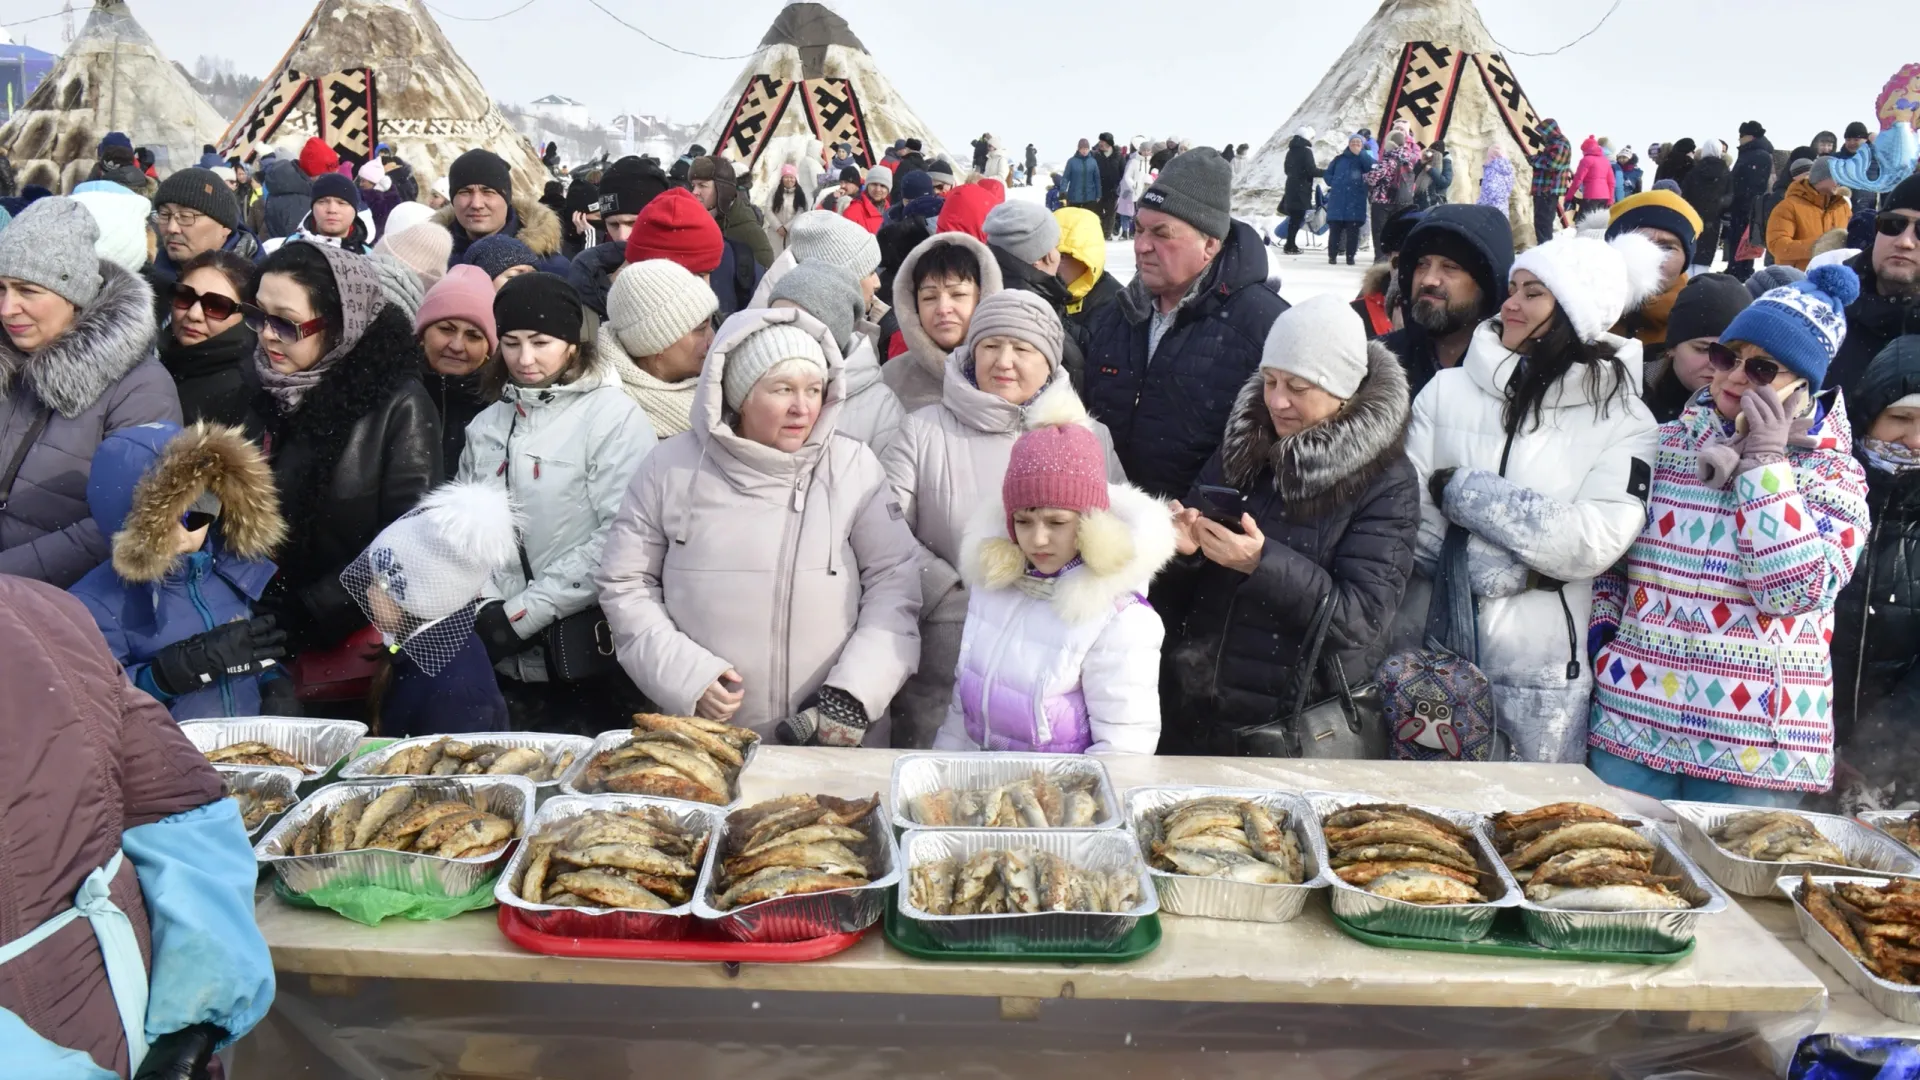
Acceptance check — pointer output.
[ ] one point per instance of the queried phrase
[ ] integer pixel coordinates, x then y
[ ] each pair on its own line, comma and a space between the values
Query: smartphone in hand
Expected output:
1221, 505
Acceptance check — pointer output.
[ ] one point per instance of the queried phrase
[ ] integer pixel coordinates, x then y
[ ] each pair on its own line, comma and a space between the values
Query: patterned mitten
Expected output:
835, 718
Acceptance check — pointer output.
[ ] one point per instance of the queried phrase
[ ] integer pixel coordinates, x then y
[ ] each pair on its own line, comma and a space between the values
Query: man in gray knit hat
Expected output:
1166, 360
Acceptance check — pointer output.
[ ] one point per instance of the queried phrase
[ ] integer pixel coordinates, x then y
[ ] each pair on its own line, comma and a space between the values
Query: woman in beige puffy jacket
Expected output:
761, 569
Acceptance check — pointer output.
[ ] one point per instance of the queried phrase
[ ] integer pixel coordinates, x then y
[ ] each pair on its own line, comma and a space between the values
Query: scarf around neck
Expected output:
360, 301
1889, 457
668, 405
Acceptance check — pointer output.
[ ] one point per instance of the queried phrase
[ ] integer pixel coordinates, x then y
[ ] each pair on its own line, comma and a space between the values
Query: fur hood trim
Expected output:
932, 356
1327, 466
1121, 549
108, 338
205, 457
539, 226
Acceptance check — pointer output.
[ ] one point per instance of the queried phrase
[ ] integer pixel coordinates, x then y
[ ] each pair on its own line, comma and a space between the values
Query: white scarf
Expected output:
669, 406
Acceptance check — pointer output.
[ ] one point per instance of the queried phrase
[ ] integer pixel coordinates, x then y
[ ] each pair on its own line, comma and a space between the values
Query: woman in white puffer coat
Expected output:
1539, 446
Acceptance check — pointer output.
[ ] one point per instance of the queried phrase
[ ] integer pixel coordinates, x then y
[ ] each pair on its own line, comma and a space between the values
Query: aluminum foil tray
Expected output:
671, 924
1883, 820
922, 774
1894, 999
1105, 850
510, 797
619, 737
267, 780
1871, 852
1215, 898
800, 918
368, 764
319, 744
1442, 922
1656, 931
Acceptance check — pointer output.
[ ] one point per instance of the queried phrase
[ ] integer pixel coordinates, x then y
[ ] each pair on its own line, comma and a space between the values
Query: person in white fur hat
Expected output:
1539, 446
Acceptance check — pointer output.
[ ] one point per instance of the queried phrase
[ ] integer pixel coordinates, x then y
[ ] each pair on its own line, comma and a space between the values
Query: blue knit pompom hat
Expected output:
1802, 324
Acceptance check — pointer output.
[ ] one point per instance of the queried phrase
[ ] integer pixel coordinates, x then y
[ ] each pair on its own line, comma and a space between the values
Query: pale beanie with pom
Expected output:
1595, 281
655, 303
1059, 465
122, 218
1319, 340
761, 352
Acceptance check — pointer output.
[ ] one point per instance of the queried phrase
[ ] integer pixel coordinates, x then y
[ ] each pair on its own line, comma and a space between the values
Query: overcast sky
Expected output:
1050, 73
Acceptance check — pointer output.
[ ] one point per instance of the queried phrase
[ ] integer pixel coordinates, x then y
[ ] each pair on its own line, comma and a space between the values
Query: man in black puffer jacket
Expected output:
1166, 360
1298, 197
1752, 176
1889, 303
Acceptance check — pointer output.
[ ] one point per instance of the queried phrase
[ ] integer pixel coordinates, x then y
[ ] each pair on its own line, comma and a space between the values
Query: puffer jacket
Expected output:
1340, 506
566, 455
98, 377
591, 274
359, 452
917, 376
1873, 322
1496, 184
862, 211
533, 224
96, 767
145, 599
1167, 408
1749, 181
1708, 188
1593, 177
1803, 217
1082, 175
289, 198
1301, 171
948, 462
1347, 186
721, 538
1072, 671
1719, 669
1566, 507
871, 411
1081, 238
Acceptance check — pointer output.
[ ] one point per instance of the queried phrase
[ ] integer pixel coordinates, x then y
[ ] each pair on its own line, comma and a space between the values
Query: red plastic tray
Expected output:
707, 950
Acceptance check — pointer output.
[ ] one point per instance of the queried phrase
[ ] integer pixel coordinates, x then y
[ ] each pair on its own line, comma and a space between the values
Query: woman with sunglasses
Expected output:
1537, 446
351, 434
76, 364
208, 347
1711, 638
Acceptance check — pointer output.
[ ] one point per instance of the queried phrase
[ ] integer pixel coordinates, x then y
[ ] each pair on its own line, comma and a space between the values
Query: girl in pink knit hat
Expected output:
1061, 653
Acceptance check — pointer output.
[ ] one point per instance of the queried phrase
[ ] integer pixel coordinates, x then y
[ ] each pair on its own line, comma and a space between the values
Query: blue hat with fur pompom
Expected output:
1802, 324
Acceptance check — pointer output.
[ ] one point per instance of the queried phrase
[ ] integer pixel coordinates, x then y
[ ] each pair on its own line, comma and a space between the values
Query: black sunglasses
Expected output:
284, 330
1890, 224
195, 520
216, 306
1760, 371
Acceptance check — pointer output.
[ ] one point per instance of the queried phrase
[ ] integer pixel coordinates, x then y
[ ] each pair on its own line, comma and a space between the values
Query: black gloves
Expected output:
236, 648
833, 718
181, 1055
497, 633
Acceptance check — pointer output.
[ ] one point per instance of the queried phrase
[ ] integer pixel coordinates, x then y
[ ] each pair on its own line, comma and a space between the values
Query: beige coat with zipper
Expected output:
795, 570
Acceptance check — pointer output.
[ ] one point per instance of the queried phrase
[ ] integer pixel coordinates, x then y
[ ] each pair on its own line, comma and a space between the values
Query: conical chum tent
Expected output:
364, 72
811, 84
1433, 64
112, 78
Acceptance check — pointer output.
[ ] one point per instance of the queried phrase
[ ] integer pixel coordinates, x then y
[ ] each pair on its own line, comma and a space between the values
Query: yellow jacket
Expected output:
1803, 217
1082, 238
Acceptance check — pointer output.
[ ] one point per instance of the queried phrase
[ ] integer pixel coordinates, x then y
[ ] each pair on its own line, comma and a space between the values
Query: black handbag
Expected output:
1349, 725
578, 647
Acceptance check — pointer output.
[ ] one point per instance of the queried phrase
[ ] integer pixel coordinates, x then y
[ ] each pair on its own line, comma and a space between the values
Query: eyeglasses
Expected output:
1891, 224
186, 219
1761, 371
216, 306
195, 520
283, 330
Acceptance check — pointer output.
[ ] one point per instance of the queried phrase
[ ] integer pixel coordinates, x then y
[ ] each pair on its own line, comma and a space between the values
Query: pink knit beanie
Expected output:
1060, 466
465, 293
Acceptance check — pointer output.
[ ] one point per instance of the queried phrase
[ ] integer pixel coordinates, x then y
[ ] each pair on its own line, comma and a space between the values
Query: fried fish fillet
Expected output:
254, 752
778, 881
1391, 831
721, 749
1606, 898
828, 857
1585, 834
1362, 853
1426, 885
388, 803
1360, 815
930, 886
1363, 875
627, 857
610, 890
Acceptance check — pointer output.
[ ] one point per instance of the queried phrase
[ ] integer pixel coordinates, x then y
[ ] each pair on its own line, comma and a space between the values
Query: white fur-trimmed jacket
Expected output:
1069, 664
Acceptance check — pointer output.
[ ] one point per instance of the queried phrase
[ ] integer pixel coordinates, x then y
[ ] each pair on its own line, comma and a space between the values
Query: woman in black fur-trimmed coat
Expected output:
1339, 506
353, 436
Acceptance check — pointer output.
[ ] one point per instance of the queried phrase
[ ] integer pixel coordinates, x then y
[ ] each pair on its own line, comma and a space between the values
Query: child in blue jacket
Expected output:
193, 518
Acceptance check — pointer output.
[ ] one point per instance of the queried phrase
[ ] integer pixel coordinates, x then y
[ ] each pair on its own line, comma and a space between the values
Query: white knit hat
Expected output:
655, 303
122, 218
1319, 340
762, 351
881, 175
826, 236
1595, 281
405, 216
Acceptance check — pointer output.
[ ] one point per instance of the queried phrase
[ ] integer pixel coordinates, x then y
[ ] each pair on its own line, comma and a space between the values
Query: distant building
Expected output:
560, 110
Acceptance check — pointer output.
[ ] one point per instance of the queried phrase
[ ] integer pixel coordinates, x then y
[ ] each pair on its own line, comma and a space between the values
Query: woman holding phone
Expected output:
1713, 675
1327, 509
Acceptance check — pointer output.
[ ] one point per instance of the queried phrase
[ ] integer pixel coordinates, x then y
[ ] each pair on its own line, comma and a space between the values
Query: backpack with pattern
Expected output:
1439, 704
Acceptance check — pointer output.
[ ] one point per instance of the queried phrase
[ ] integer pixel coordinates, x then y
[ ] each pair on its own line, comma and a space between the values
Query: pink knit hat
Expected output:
1060, 466
465, 293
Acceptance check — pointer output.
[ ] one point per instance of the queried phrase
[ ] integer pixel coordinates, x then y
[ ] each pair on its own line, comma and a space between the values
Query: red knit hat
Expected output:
675, 227
966, 211
1060, 466
317, 157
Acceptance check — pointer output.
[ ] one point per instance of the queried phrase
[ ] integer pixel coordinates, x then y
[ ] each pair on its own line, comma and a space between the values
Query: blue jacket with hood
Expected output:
145, 598
1481, 239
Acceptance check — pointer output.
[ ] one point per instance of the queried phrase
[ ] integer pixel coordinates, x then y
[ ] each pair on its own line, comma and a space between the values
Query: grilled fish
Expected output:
778, 881
388, 803
254, 752
610, 890
1424, 886
930, 886
1584, 834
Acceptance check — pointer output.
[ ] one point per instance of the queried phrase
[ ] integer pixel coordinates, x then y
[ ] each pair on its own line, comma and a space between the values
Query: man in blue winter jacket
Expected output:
1083, 179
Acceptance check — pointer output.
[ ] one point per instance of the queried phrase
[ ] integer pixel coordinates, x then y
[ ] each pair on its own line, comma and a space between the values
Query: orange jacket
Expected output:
1802, 217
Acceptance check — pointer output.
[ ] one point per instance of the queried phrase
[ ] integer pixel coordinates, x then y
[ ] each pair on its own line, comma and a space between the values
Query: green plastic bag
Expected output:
370, 904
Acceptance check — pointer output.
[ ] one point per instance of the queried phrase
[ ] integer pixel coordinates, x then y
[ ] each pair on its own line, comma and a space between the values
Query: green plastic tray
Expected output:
1508, 938
909, 937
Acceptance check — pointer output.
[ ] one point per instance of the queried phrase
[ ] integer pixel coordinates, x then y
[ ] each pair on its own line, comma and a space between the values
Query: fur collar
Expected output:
108, 338
1330, 465
1121, 549
534, 225
205, 457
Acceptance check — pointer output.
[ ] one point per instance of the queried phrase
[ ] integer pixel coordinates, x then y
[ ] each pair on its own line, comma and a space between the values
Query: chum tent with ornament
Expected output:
810, 84
364, 72
111, 78
1433, 64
